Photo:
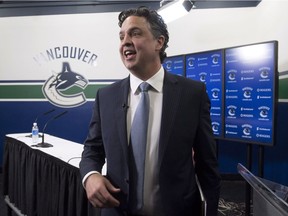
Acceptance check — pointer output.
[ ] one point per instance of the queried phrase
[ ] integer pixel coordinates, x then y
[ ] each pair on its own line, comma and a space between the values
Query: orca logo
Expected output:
215, 60
247, 129
232, 75
191, 62
215, 127
203, 77
56, 87
215, 93
247, 92
264, 74
168, 65
232, 110
264, 111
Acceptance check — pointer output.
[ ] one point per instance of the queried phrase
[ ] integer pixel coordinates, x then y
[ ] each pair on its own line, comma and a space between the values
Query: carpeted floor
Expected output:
232, 201
232, 198
227, 208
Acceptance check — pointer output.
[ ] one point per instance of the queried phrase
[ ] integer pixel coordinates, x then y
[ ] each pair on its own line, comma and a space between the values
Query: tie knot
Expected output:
144, 86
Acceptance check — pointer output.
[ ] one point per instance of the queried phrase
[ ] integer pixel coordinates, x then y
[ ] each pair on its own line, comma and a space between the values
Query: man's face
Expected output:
139, 49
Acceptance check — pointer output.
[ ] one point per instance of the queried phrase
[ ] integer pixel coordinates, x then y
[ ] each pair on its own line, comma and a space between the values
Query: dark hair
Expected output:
158, 26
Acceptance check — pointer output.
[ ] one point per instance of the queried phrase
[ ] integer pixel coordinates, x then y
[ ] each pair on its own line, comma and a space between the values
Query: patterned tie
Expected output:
138, 148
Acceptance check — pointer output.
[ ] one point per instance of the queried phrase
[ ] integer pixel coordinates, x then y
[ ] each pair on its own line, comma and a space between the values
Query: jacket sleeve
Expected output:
93, 155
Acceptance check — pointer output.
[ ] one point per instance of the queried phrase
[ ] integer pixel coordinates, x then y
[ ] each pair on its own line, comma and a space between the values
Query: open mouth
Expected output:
129, 53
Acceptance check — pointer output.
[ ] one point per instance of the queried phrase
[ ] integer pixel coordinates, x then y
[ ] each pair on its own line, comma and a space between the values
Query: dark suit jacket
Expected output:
185, 125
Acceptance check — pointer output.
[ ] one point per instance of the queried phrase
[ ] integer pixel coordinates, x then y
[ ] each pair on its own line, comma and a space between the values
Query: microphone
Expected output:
45, 113
42, 114
125, 106
44, 144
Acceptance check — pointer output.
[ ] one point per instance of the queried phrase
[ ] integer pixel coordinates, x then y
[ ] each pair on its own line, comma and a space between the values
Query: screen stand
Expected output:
248, 187
249, 167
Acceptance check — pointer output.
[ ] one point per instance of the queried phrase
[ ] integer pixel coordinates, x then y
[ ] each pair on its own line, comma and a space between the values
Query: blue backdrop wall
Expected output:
17, 117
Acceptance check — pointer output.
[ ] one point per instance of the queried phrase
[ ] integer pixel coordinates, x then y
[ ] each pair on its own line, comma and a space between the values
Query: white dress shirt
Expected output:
151, 186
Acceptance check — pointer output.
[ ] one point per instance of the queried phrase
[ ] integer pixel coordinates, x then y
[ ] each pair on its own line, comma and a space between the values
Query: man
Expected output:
179, 121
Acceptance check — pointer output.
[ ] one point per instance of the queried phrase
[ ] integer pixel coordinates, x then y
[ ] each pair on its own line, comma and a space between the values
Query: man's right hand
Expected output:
99, 191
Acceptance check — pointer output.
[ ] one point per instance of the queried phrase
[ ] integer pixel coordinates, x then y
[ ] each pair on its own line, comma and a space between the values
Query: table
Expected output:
44, 181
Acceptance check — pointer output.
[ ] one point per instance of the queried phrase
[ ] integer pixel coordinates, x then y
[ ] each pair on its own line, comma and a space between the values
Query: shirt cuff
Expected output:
87, 175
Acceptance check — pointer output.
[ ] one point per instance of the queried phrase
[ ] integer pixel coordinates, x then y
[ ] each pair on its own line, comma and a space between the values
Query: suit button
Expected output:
127, 180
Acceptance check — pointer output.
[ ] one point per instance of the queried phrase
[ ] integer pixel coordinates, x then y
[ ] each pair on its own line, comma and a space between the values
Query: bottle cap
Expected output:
35, 123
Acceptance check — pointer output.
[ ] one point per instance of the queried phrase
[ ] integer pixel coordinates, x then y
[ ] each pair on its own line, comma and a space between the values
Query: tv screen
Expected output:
207, 67
175, 65
250, 92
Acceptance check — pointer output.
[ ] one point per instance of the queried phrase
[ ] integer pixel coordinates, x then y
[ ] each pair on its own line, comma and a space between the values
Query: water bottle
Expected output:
35, 133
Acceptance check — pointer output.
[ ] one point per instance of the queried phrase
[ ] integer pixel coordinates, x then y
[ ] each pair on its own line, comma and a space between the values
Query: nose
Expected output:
126, 40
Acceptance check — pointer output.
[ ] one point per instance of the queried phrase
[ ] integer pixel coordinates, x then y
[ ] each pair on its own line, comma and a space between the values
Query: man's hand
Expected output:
99, 191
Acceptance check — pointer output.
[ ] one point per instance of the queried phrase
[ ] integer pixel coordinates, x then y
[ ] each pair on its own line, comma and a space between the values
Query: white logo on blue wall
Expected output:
247, 92
56, 87
215, 127
246, 129
215, 60
232, 75
231, 110
215, 93
264, 111
202, 76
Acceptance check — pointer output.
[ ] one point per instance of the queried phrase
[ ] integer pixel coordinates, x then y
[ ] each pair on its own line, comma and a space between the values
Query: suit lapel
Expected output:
121, 114
171, 96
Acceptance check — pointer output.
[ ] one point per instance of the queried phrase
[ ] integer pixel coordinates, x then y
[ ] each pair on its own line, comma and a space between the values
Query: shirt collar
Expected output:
155, 81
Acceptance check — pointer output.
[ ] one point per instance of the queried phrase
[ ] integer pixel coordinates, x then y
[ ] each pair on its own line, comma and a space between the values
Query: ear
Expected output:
160, 42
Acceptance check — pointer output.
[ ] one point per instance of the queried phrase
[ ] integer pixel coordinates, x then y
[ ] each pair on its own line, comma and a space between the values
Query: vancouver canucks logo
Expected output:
62, 89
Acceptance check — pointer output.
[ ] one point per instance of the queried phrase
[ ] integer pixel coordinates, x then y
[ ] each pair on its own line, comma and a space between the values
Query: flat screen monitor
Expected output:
207, 67
251, 92
175, 65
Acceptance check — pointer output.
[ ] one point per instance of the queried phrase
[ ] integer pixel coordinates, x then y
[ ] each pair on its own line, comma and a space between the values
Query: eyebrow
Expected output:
130, 30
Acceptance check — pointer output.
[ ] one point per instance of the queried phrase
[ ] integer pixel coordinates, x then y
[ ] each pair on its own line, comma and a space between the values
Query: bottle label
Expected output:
34, 132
